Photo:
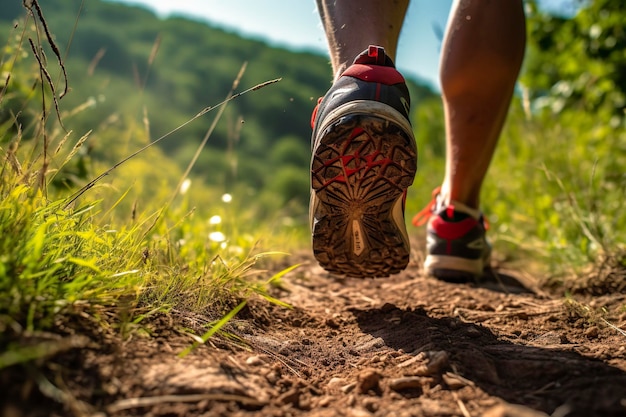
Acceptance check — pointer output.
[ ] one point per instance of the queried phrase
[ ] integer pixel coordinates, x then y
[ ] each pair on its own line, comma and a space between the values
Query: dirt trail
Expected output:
401, 346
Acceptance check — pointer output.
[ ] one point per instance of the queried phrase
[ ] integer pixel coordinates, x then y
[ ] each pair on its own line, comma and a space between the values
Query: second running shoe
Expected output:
364, 159
457, 249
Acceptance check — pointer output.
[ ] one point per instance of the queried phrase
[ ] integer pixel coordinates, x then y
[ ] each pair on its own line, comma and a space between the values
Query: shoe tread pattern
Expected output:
360, 168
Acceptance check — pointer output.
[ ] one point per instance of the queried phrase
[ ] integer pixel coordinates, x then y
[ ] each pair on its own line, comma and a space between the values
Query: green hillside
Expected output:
130, 65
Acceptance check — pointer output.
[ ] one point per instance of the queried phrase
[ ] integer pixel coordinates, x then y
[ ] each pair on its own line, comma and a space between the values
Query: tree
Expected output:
579, 62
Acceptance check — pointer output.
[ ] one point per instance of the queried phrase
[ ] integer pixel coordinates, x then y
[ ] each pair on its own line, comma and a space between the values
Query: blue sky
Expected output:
295, 24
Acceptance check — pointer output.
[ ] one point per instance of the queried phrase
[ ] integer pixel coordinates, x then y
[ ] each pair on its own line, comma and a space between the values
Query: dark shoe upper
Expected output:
454, 233
372, 76
457, 249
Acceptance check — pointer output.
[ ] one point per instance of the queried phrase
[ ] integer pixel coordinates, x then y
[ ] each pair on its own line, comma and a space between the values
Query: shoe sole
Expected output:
452, 268
364, 160
455, 269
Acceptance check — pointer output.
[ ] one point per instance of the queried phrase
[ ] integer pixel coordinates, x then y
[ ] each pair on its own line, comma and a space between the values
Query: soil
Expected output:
407, 345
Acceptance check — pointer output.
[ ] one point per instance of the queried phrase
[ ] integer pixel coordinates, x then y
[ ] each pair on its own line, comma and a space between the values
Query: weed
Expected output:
133, 246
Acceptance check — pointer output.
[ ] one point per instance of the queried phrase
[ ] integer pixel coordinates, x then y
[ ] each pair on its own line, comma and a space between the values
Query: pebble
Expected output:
255, 361
407, 382
453, 382
368, 380
336, 383
371, 404
304, 404
346, 389
592, 332
332, 323
410, 361
549, 338
325, 401
272, 377
437, 362
359, 412
290, 397
362, 361
387, 307
473, 332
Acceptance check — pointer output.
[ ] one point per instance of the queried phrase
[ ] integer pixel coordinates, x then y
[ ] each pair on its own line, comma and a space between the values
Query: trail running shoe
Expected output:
457, 249
364, 159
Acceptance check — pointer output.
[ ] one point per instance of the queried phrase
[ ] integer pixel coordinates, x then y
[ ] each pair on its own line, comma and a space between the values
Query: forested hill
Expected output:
111, 63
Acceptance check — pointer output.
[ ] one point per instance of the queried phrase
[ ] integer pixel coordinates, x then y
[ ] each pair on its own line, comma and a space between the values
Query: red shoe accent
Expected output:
374, 74
425, 214
377, 52
314, 114
352, 163
450, 231
450, 211
422, 217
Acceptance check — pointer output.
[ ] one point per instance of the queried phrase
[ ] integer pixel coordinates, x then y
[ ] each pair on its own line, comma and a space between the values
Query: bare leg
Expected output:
482, 53
351, 26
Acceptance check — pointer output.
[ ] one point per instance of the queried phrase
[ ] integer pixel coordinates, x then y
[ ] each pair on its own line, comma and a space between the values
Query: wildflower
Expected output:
217, 237
184, 187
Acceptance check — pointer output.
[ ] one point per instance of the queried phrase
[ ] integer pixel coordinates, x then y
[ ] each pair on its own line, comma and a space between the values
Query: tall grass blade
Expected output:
215, 328
204, 111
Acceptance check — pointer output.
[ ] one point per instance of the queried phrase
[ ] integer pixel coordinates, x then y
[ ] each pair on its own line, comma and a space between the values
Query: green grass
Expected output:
132, 244
557, 187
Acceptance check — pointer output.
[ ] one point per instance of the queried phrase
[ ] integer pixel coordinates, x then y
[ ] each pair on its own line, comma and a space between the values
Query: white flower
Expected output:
217, 237
184, 187
215, 219
227, 198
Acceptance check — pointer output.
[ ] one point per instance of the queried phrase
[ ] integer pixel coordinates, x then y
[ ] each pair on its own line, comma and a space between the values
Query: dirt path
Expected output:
402, 346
